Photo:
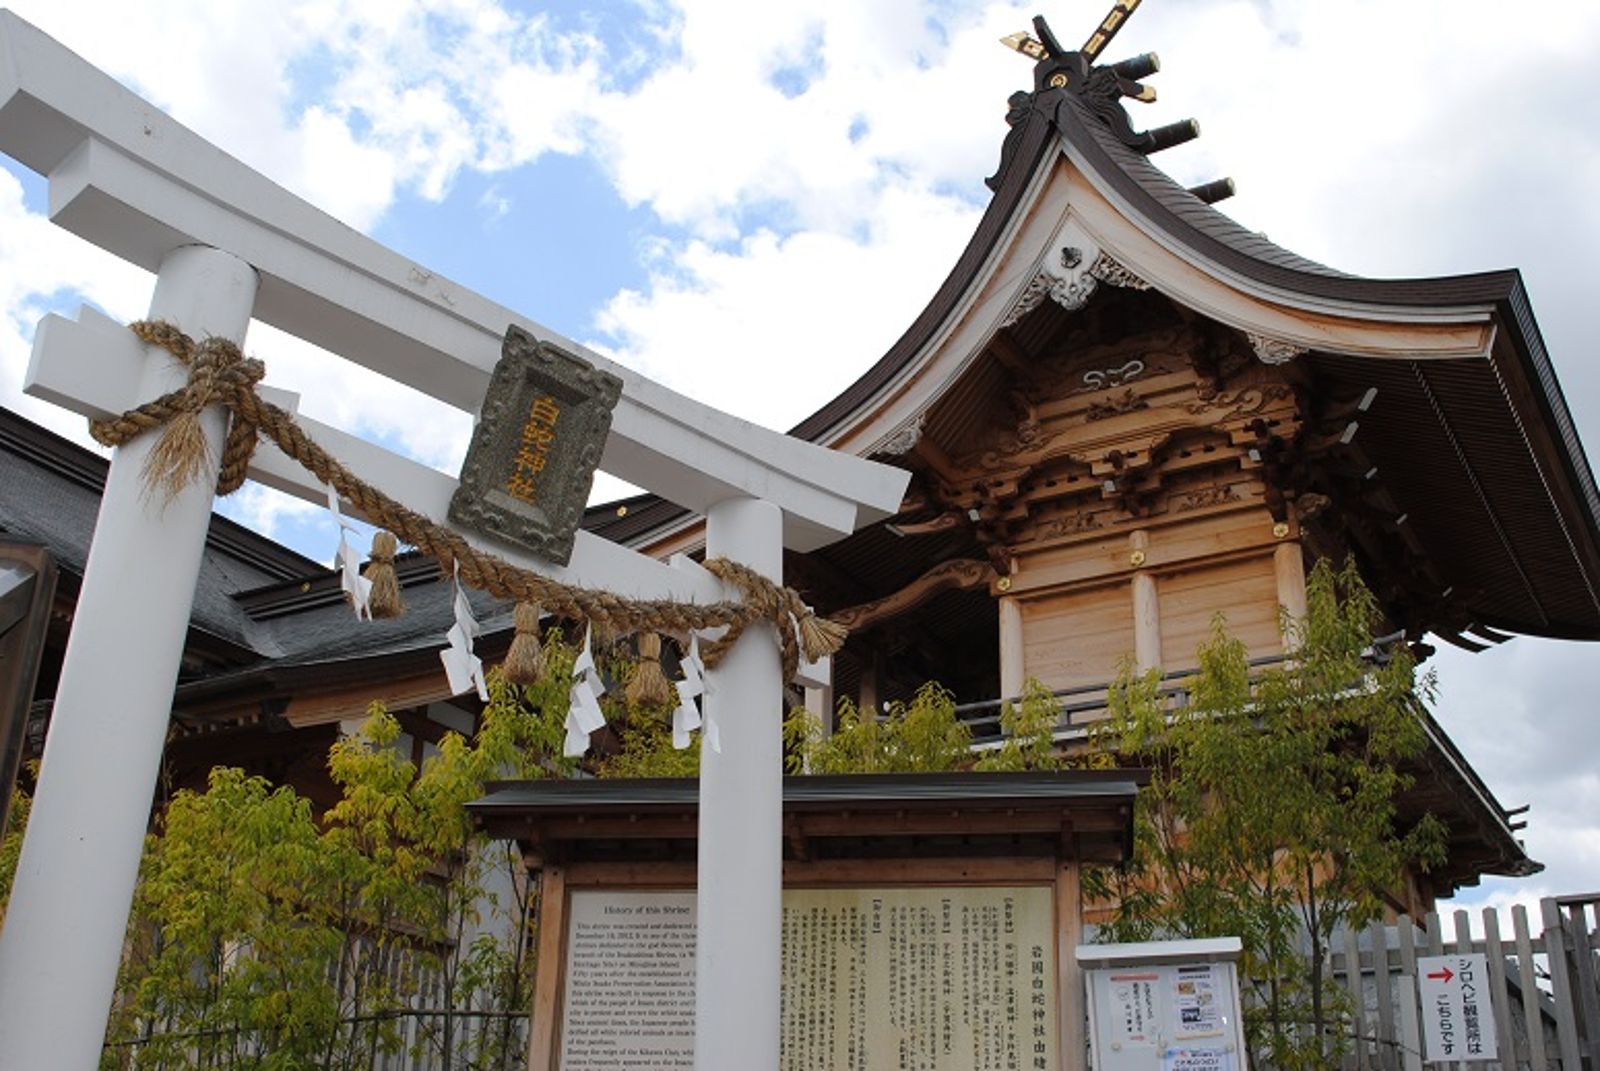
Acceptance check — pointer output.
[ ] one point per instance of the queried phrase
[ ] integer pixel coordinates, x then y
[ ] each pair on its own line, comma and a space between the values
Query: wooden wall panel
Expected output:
1246, 592
1172, 543
1077, 638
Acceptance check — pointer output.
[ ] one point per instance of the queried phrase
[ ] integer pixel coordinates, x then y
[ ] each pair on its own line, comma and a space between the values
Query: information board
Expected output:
877, 979
1150, 1015
1457, 1018
630, 981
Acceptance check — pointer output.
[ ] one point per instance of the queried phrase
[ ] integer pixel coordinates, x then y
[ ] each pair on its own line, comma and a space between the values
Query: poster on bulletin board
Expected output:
1164, 1005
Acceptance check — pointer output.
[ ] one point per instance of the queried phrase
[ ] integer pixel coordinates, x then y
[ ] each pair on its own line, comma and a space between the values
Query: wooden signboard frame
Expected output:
956, 831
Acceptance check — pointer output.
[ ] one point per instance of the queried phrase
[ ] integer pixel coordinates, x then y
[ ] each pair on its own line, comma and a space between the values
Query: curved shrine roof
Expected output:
1491, 471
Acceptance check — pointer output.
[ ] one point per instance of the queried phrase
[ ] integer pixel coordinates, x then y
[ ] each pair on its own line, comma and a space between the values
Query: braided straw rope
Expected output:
220, 374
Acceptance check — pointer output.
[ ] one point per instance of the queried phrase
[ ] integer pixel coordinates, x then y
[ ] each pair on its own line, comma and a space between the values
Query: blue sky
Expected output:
750, 203
551, 239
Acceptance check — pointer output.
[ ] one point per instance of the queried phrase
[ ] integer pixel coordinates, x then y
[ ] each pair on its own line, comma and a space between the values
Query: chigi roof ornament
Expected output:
1101, 89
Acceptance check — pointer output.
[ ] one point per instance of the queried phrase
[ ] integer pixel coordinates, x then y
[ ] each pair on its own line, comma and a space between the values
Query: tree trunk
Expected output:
1318, 1025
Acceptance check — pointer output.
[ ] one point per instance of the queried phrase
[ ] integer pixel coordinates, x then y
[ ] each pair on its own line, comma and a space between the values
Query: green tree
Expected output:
264, 936
1271, 811
11, 839
920, 736
1028, 737
229, 975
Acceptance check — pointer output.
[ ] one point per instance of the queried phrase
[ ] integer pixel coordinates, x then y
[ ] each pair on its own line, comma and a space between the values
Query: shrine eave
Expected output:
1083, 814
1482, 837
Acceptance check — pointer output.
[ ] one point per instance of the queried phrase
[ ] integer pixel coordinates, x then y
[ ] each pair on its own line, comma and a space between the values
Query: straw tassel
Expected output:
180, 455
525, 660
384, 599
820, 637
649, 686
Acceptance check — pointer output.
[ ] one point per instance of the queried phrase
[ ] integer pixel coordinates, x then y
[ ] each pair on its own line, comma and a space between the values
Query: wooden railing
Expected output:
1081, 705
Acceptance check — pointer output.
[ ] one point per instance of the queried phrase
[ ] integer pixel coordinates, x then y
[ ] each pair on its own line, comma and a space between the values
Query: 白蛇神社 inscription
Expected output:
540, 433
875, 979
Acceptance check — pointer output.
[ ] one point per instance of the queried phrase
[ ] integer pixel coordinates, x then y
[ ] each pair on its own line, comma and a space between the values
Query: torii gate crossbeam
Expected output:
228, 245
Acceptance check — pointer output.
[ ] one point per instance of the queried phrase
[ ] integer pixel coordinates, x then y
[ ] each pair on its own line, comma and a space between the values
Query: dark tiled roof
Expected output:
1060, 123
1079, 125
1212, 234
628, 519
862, 816
50, 494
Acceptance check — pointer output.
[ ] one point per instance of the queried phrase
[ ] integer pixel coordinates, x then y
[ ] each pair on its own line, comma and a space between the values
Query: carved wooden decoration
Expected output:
1275, 350
1070, 279
1118, 423
1129, 424
961, 574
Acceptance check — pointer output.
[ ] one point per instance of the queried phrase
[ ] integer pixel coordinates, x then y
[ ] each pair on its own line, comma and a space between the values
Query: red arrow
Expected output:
1444, 974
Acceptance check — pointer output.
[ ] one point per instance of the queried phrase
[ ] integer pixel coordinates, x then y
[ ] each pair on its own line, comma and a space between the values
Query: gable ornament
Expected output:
1109, 270
1071, 282
1274, 350
905, 438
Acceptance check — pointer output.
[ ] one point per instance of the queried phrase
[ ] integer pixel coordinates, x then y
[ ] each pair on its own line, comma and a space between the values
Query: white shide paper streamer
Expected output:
462, 667
583, 705
356, 587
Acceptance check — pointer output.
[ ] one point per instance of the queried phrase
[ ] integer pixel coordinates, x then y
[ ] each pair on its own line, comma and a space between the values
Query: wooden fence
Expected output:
1544, 985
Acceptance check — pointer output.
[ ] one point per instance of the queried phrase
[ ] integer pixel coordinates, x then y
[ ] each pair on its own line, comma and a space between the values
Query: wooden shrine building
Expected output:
1124, 413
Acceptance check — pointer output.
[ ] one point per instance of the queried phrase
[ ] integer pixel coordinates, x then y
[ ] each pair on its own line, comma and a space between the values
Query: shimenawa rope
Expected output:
219, 374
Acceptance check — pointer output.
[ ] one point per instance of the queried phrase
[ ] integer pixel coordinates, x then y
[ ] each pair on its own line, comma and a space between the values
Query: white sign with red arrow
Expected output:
1457, 1018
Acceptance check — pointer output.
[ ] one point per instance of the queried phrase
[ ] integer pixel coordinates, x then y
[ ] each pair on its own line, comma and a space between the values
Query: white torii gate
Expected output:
227, 245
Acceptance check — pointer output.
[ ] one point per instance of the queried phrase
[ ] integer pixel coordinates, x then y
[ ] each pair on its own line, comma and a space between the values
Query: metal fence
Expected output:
428, 1039
425, 1030
1543, 978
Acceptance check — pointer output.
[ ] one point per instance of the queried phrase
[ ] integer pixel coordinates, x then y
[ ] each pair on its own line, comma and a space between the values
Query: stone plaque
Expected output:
875, 979
539, 437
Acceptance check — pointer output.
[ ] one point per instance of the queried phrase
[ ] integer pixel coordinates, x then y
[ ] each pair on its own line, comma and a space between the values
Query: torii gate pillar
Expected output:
63, 933
740, 868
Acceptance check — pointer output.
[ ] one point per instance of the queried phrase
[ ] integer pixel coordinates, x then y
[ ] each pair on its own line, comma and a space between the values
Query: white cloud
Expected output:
332, 158
917, 104
495, 205
1515, 711
362, 402
345, 103
776, 326
221, 69
265, 510
42, 269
